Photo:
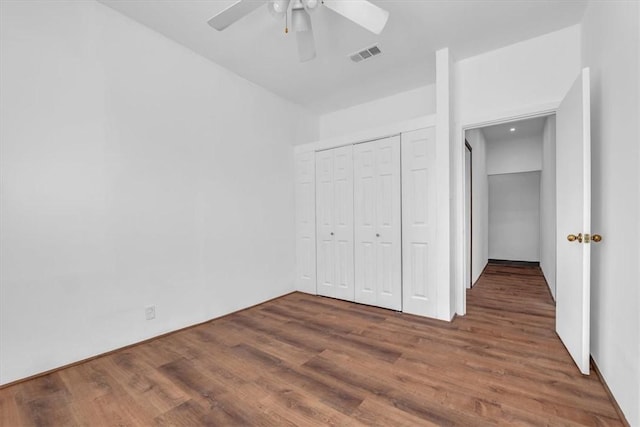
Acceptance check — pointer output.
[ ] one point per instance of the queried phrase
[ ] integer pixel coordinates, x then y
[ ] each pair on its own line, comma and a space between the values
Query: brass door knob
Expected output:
596, 238
573, 237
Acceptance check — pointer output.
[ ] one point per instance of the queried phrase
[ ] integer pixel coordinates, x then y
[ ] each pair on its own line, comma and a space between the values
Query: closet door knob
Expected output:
332, 233
377, 234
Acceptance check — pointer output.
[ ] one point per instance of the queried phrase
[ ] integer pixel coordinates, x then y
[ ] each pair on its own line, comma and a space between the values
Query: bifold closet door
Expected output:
419, 211
305, 177
334, 223
377, 222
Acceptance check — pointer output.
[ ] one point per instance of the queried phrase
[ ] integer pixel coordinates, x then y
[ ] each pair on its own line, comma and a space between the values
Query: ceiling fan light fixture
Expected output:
300, 20
278, 8
311, 5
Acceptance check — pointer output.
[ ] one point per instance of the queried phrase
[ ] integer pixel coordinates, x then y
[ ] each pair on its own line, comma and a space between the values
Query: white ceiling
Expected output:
528, 128
257, 49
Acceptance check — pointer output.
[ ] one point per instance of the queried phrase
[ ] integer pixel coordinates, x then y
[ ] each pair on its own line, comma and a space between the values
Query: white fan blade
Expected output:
362, 12
306, 45
233, 13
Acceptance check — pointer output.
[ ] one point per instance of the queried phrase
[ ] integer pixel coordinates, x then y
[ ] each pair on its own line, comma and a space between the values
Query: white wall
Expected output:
514, 216
548, 204
611, 48
514, 155
133, 172
392, 109
480, 200
507, 83
534, 72
514, 212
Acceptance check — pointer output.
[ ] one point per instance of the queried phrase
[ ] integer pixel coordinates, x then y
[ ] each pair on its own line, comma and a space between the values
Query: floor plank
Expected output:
308, 360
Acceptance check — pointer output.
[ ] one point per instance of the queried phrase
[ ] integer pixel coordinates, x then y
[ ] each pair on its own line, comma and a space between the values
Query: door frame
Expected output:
469, 232
458, 165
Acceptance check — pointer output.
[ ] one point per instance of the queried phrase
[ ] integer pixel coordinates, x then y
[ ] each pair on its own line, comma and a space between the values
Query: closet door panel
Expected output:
388, 224
377, 223
343, 221
305, 222
334, 223
325, 251
364, 222
418, 223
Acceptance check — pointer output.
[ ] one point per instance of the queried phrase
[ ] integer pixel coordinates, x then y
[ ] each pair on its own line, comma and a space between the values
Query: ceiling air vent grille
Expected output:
365, 54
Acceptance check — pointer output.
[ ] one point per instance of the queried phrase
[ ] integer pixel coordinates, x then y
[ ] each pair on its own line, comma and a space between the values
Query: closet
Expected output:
366, 222
358, 223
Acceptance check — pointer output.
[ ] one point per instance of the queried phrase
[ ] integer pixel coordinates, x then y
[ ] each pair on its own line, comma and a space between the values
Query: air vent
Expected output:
365, 54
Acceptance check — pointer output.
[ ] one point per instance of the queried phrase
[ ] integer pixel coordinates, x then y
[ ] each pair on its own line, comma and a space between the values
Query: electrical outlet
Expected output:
150, 312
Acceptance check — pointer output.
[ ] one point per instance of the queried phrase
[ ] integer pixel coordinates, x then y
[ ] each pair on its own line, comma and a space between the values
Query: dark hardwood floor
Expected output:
306, 360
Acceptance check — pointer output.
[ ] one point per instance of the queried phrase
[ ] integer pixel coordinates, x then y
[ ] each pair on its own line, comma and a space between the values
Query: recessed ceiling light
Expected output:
512, 129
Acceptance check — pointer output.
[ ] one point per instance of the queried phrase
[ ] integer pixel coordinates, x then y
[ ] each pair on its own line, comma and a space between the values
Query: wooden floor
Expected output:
306, 360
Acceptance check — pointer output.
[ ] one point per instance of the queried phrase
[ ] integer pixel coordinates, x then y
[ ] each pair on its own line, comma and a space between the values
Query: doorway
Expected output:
568, 270
509, 196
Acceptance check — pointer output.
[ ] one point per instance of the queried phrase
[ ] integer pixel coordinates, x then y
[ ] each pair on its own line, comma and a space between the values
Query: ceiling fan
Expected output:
362, 12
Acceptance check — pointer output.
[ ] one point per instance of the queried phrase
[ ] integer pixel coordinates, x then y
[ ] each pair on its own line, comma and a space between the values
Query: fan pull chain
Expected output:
286, 23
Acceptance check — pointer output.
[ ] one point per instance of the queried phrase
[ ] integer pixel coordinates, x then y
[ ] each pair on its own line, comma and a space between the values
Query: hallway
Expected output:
512, 314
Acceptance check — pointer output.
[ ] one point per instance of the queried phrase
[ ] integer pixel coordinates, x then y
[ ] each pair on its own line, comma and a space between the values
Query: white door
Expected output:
419, 284
305, 222
573, 204
334, 223
378, 275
